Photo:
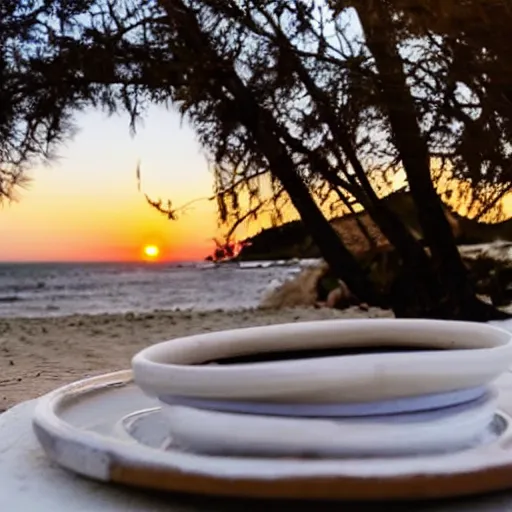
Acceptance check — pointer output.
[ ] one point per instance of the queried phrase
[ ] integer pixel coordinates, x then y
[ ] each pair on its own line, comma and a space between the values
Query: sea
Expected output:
58, 289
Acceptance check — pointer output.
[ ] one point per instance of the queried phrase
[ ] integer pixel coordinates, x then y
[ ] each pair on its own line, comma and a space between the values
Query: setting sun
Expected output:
151, 251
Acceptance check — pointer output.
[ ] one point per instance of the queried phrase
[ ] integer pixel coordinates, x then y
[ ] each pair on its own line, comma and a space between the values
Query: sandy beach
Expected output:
40, 354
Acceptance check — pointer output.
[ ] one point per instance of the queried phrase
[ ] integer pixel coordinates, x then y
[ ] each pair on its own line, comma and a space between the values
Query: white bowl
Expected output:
470, 355
444, 430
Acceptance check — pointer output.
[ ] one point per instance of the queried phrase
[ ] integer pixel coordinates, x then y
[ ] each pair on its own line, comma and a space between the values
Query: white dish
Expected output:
442, 430
471, 355
106, 429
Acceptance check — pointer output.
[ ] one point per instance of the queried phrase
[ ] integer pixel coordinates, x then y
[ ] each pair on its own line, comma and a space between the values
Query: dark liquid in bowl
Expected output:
312, 353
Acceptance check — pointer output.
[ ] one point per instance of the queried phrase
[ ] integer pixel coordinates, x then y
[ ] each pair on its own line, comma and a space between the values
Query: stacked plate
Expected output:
349, 388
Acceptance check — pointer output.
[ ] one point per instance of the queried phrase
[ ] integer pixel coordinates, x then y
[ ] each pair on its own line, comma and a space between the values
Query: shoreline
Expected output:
39, 354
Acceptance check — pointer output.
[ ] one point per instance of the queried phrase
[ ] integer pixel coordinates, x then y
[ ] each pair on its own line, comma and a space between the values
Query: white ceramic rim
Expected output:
477, 353
91, 454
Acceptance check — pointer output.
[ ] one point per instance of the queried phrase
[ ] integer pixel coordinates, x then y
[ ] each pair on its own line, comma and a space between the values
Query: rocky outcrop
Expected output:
490, 267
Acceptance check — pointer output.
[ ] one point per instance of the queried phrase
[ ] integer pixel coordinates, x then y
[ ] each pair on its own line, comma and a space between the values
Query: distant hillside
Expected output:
291, 240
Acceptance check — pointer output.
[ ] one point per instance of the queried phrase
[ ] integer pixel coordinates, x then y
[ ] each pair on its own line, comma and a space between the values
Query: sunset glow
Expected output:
151, 251
86, 205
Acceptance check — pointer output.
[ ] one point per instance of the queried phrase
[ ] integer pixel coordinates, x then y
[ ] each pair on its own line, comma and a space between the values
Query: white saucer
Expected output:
107, 429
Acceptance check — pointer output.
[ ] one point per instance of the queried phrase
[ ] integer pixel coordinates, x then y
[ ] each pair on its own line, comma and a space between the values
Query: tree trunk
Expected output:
340, 260
415, 261
264, 129
458, 297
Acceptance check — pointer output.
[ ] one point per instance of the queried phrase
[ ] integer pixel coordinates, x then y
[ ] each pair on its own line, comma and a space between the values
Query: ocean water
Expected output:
54, 289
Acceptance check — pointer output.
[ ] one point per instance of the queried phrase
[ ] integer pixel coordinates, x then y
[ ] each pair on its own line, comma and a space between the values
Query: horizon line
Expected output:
53, 262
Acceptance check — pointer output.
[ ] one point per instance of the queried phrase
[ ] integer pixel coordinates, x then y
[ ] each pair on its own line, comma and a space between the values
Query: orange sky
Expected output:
86, 207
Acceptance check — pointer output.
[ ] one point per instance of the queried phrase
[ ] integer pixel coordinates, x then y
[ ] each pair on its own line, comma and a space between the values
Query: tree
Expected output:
412, 145
293, 100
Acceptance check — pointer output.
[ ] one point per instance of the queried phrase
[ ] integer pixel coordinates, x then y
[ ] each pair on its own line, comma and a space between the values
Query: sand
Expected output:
40, 354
